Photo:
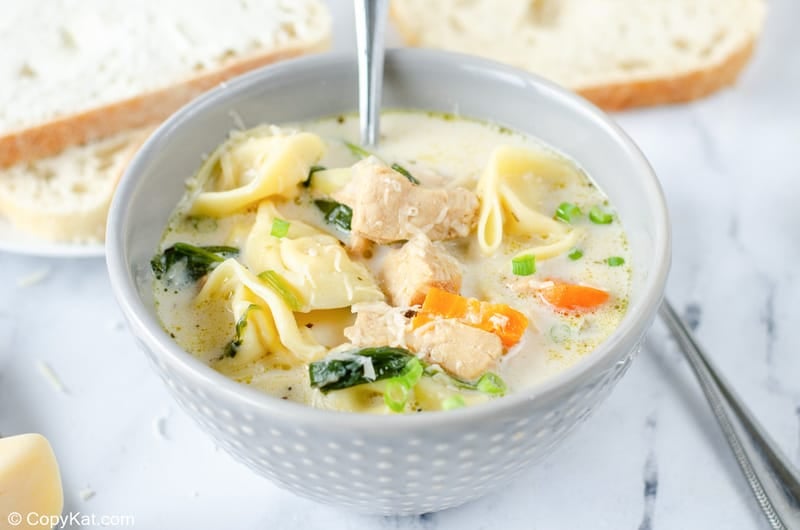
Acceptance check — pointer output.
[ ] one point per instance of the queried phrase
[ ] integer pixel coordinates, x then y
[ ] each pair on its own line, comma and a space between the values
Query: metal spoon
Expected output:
772, 479
370, 37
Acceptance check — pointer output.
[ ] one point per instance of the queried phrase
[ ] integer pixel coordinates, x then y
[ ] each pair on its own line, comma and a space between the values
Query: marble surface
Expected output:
651, 458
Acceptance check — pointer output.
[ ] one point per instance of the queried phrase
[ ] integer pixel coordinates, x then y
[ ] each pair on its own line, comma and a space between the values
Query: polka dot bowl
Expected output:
387, 464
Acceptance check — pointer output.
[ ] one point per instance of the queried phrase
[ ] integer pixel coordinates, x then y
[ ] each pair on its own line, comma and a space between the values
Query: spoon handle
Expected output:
370, 30
771, 477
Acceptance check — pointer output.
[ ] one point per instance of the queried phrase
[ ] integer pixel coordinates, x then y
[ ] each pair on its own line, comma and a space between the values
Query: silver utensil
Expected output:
370, 38
772, 479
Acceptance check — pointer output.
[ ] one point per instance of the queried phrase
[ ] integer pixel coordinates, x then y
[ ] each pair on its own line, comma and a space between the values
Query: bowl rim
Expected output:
144, 326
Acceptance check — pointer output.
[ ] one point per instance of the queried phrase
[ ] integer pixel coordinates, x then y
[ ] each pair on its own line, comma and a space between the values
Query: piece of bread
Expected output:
66, 197
84, 70
617, 53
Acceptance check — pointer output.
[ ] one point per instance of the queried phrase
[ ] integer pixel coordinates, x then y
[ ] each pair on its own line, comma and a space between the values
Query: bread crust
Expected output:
680, 88
145, 109
72, 225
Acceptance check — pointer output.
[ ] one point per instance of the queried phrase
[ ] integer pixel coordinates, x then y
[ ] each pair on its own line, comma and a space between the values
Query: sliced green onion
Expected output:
575, 254
357, 150
491, 384
615, 261
567, 212
403, 171
599, 216
396, 394
336, 213
412, 373
280, 228
279, 284
453, 402
311, 171
560, 332
524, 265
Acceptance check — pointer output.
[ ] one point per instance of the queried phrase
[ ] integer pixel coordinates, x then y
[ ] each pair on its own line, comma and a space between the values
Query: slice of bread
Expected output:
66, 197
617, 53
84, 70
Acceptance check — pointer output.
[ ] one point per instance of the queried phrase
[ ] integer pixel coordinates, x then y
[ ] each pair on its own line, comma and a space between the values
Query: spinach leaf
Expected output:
233, 346
347, 369
403, 171
314, 169
357, 151
198, 261
336, 213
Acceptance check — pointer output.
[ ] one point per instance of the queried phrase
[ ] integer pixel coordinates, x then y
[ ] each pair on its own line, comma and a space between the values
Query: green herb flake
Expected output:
523, 265
202, 223
403, 171
280, 228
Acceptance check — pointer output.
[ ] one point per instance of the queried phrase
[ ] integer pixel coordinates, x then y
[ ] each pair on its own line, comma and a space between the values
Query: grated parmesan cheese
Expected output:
51, 376
86, 493
498, 321
33, 278
237, 120
369, 369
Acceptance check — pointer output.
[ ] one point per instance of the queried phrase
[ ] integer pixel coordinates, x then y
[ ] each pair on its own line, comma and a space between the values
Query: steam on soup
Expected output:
458, 262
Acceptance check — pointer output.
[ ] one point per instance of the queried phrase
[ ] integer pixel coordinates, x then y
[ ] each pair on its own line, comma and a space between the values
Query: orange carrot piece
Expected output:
500, 319
573, 297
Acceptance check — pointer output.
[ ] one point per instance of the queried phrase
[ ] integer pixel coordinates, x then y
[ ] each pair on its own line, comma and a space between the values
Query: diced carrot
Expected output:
573, 297
500, 319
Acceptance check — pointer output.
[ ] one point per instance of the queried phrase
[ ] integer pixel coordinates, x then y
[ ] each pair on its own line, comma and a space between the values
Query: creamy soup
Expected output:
456, 263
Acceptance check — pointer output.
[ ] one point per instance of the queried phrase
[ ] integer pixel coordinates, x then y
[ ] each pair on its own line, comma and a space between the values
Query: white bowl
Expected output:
394, 464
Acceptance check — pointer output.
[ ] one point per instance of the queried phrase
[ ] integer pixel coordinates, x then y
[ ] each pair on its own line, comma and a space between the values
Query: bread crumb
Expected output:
48, 373
86, 493
237, 120
33, 278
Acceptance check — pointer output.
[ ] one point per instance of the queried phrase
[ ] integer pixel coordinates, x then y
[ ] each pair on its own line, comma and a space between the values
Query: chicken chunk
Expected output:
378, 324
409, 272
461, 350
387, 207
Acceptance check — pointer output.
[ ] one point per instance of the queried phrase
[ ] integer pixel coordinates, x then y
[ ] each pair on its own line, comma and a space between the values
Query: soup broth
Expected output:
457, 262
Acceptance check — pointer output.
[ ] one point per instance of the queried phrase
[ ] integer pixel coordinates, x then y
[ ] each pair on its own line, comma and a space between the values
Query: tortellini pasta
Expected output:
312, 262
232, 281
511, 189
251, 166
